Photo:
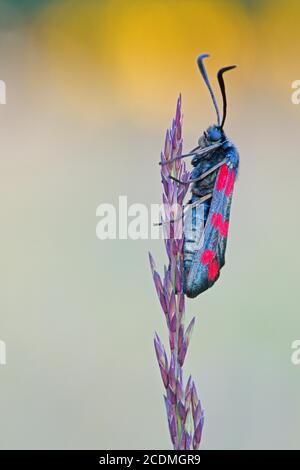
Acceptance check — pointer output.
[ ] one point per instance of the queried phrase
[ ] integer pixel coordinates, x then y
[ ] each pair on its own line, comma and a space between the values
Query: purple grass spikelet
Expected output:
184, 411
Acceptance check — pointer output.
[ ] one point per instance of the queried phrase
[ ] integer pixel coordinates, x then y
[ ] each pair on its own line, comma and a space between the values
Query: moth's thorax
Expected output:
202, 164
205, 164
212, 136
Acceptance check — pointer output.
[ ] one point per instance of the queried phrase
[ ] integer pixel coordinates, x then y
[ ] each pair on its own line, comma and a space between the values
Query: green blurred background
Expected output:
91, 88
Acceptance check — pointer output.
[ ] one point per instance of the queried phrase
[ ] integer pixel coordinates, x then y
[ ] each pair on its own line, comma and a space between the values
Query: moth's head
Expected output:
215, 133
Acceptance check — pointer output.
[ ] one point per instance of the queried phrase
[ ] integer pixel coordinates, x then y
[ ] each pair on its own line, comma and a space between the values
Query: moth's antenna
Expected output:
205, 78
222, 87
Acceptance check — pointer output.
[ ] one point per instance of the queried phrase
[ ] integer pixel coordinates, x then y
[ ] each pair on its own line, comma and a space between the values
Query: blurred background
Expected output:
91, 88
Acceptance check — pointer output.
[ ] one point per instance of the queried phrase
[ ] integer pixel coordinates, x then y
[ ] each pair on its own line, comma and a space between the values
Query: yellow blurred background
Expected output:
91, 89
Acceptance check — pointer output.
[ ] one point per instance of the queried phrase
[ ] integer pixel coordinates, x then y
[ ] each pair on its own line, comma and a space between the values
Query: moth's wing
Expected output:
209, 256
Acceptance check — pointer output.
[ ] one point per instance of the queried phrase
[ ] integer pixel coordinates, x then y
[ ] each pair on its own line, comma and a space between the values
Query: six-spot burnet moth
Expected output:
215, 161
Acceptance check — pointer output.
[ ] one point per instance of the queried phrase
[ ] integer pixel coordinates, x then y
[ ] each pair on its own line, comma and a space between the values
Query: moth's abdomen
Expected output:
194, 223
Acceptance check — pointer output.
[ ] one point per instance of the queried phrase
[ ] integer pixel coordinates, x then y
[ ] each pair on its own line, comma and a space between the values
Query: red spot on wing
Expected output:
217, 222
222, 177
213, 270
216, 219
230, 184
224, 228
207, 256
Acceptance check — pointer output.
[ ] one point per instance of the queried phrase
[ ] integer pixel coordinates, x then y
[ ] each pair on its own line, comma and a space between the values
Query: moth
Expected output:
215, 161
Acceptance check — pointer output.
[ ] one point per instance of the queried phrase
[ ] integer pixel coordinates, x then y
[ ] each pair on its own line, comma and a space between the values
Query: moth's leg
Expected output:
195, 203
201, 177
189, 205
211, 170
202, 151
